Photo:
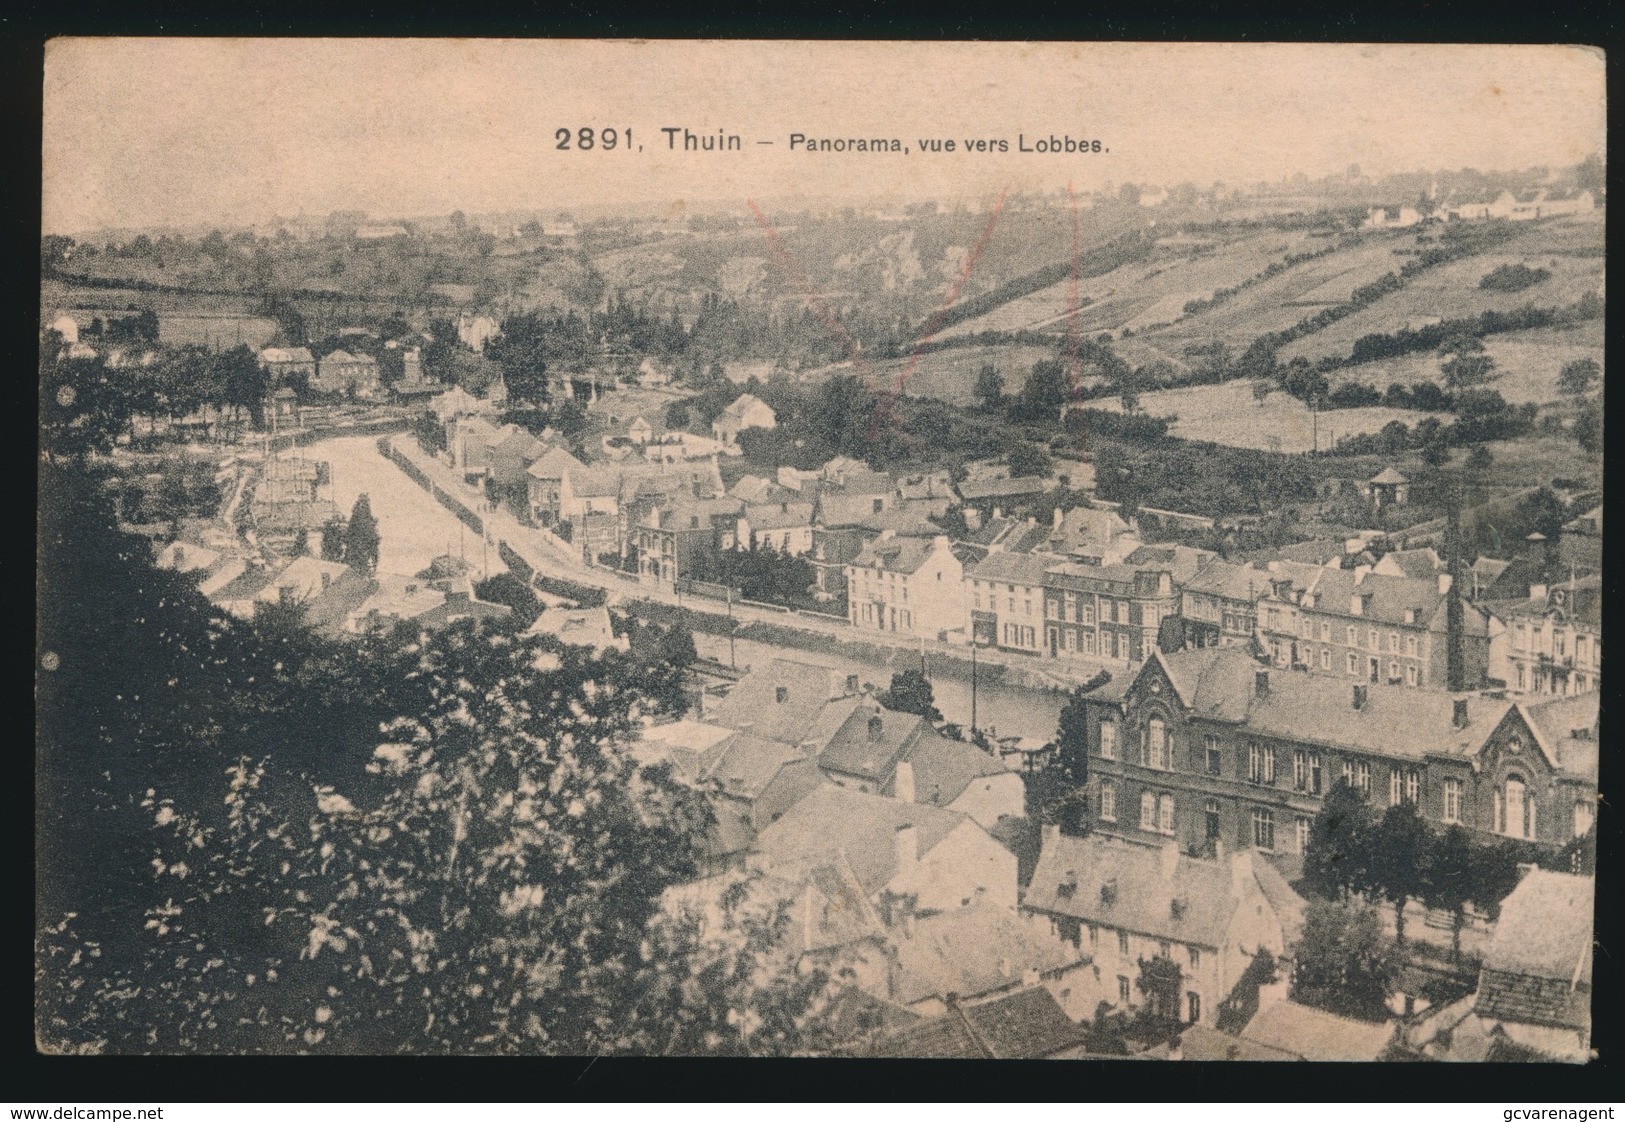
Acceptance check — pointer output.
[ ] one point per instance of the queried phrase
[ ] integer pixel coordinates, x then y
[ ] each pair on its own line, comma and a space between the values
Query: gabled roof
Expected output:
1220, 683
305, 578
555, 463
1389, 476
1182, 561
694, 746
871, 740
1229, 582
345, 357
863, 827
753, 703
748, 764
1318, 1035
1418, 564
1027, 1025
943, 768
286, 354
825, 906
836, 508
1545, 930
779, 516
897, 555
745, 402
1387, 599
974, 950
1013, 568
1555, 722
1116, 884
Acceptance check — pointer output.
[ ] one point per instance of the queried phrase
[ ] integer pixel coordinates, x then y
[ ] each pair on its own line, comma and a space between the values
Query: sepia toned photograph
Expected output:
764, 548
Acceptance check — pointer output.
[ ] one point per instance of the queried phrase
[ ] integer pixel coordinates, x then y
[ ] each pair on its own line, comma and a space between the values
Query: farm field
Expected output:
1229, 414
1172, 277
1528, 362
1451, 292
950, 375
1282, 300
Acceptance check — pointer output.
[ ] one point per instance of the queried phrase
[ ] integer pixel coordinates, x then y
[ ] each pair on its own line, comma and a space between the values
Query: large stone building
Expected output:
1212, 748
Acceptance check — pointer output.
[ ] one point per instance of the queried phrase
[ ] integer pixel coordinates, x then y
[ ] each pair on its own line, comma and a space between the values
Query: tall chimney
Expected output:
1261, 682
1455, 657
1241, 871
1357, 695
1170, 859
1458, 714
903, 784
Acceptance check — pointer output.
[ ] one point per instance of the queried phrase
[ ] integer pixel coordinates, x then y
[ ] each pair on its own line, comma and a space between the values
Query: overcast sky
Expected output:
148, 132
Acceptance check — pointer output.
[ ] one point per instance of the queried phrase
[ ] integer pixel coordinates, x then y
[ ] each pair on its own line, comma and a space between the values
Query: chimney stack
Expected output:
1241, 871
903, 784
1357, 695
876, 726
1261, 682
1458, 714
1170, 859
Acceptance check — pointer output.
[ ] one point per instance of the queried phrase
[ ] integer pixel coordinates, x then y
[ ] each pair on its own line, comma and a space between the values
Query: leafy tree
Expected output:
509, 589
1398, 850
333, 540
522, 350
1043, 394
1337, 858
1480, 458
910, 692
361, 537
1435, 451
1466, 365
1448, 880
242, 383
1588, 427
1576, 378
1159, 981
1344, 963
1027, 458
677, 415
989, 391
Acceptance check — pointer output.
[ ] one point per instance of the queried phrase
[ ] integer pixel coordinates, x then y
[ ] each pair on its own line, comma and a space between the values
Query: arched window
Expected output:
1157, 734
1165, 814
1514, 809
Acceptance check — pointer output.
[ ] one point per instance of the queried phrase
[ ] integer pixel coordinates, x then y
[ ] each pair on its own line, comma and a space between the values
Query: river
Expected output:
1001, 709
413, 529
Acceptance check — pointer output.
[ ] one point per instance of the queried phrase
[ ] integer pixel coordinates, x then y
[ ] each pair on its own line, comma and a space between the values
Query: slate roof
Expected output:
947, 1037
1015, 535
1182, 561
1537, 969
694, 746
555, 463
753, 704
748, 764
1220, 684
1122, 885
894, 554
974, 950
978, 490
1014, 568
1554, 723
1027, 1025
836, 509
1419, 564
1318, 1035
871, 740
943, 768
903, 520
779, 515
1229, 582
1387, 600
862, 827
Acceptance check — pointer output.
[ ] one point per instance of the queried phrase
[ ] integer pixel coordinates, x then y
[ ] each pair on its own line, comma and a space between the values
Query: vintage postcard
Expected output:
863, 549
